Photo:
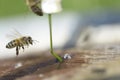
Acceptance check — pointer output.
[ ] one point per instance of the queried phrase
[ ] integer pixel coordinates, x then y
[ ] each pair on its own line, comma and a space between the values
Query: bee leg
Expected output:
21, 45
23, 48
27, 44
17, 50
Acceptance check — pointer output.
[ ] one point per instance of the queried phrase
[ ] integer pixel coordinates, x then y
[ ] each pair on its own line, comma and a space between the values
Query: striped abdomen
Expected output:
12, 44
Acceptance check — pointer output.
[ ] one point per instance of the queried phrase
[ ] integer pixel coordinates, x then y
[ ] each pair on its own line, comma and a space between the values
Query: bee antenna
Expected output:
34, 41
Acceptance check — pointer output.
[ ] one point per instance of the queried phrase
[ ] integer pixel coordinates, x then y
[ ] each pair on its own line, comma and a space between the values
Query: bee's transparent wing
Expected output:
14, 34
35, 6
17, 33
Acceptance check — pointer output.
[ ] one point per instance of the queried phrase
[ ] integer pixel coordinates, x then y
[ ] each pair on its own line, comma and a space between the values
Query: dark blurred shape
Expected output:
37, 10
93, 18
98, 71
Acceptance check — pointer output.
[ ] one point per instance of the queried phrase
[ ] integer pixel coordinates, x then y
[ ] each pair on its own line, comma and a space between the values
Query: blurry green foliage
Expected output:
12, 7
15, 7
84, 5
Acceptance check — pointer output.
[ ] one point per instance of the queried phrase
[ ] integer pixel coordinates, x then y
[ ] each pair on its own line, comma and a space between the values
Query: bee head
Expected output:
30, 40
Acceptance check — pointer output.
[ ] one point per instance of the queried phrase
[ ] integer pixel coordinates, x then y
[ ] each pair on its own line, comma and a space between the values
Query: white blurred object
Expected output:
41, 75
51, 6
104, 34
67, 56
19, 64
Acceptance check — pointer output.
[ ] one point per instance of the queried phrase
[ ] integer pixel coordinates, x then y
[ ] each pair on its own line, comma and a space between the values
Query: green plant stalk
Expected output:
51, 43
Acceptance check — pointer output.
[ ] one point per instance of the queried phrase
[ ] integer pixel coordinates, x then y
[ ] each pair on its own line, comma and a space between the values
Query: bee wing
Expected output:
39, 8
33, 2
35, 6
14, 34
17, 33
10, 36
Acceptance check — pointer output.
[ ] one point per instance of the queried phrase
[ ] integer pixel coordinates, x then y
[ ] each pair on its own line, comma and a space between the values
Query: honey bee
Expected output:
35, 6
20, 43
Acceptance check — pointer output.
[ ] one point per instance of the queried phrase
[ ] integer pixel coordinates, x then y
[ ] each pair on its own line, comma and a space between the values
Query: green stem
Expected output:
51, 43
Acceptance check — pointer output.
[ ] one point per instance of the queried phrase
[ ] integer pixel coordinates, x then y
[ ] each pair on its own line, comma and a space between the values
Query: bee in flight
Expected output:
20, 43
35, 6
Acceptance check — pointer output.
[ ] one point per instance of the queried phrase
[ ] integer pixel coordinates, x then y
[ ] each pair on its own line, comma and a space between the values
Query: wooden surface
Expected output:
85, 64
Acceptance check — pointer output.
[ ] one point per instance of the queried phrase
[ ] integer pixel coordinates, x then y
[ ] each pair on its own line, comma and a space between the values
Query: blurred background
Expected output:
82, 23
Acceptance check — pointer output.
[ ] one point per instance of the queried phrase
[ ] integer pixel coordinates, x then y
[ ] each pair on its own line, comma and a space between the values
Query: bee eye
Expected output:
30, 40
